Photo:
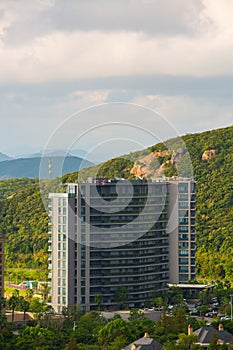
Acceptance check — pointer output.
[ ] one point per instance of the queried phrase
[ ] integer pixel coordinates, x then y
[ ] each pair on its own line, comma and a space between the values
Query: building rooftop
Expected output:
191, 285
144, 343
206, 334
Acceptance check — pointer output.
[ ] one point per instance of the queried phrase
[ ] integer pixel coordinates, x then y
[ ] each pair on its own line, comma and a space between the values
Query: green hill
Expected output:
24, 221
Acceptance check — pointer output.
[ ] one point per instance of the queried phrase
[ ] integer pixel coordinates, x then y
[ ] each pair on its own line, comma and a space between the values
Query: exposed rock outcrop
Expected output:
165, 153
209, 154
137, 171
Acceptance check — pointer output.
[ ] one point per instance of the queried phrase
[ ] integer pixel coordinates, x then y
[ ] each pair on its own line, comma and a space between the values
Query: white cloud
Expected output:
90, 96
157, 16
78, 54
97, 54
56, 59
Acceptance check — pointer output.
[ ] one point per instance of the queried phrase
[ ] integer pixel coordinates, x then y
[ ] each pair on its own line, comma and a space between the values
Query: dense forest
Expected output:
23, 219
95, 330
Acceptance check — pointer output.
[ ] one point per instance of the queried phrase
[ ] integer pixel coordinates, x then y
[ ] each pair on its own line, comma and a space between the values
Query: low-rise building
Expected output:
207, 334
144, 343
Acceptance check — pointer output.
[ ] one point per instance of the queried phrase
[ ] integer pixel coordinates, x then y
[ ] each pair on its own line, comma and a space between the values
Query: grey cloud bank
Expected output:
57, 58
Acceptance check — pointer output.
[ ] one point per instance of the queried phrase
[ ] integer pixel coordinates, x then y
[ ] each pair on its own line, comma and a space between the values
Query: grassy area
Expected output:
18, 275
8, 292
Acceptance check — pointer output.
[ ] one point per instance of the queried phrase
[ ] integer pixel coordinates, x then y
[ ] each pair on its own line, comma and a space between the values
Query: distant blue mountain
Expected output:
4, 157
39, 167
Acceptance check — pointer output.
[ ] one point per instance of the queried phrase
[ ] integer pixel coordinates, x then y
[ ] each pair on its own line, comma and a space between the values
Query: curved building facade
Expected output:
110, 243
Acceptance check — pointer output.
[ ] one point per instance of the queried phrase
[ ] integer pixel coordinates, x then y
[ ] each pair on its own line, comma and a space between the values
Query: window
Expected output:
62, 228
62, 202
83, 190
183, 187
184, 221
183, 253
183, 205
183, 244
61, 210
183, 229
183, 237
183, 197
183, 269
62, 219
183, 213
183, 277
72, 189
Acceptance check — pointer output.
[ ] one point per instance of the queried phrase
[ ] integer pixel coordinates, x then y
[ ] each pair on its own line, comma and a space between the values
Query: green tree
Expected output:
13, 302
24, 306
35, 338
112, 330
140, 324
29, 294
187, 341
45, 289
175, 296
2, 303
121, 295
35, 305
88, 327
98, 300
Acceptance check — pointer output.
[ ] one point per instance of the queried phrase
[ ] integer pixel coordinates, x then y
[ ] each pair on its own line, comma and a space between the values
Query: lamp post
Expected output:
231, 305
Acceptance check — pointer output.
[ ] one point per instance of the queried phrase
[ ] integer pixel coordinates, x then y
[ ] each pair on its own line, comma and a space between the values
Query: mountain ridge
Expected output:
39, 166
4, 157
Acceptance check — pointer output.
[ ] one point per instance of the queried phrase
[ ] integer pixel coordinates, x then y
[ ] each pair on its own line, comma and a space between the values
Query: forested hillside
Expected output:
24, 221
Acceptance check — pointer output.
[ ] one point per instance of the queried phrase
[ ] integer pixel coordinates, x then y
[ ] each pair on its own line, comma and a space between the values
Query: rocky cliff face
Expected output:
209, 154
154, 164
138, 171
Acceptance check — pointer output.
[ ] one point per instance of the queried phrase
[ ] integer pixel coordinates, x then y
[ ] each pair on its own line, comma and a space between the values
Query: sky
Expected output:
111, 76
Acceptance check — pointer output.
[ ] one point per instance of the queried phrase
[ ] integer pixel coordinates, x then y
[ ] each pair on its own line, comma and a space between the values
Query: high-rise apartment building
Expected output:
112, 242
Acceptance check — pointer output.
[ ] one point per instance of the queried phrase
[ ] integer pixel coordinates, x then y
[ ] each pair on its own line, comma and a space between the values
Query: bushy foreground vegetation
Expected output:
91, 331
75, 329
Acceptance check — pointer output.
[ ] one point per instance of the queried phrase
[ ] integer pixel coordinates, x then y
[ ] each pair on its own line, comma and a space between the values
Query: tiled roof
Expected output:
145, 343
206, 334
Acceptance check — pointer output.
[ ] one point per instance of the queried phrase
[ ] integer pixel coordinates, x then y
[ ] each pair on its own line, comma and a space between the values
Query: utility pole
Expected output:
50, 169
